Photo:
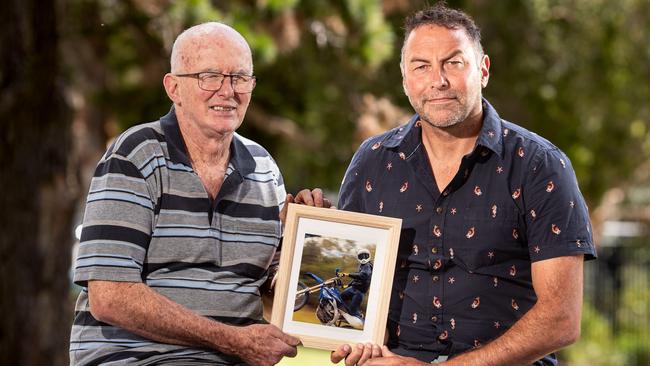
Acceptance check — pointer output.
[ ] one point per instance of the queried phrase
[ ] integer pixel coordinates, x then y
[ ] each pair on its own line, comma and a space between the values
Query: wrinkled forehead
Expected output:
222, 50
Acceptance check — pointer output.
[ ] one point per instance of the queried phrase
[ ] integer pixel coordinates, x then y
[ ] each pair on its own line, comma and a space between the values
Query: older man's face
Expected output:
214, 112
442, 75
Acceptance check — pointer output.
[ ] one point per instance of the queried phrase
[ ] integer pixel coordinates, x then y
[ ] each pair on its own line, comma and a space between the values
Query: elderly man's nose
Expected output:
226, 86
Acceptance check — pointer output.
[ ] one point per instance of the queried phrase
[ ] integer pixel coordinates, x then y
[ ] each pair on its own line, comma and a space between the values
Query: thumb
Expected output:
287, 200
290, 340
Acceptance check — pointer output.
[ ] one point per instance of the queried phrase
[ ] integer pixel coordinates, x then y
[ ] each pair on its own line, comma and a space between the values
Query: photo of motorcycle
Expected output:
331, 309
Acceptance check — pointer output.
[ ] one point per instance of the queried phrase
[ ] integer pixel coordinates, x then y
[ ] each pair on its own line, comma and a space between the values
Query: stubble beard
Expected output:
442, 116
446, 116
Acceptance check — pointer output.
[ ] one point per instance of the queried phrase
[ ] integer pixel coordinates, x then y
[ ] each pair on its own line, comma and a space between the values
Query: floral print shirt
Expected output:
463, 273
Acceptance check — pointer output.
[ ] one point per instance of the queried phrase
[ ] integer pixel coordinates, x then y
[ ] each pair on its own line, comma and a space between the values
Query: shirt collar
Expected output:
175, 143
408, 137
240, 156
491, 135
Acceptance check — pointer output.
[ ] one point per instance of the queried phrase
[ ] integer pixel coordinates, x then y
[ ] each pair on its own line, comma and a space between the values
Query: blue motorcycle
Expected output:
331, 309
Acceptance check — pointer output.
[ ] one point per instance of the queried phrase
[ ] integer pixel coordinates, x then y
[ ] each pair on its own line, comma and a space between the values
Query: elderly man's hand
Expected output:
265, 344
307, 197
312, 197
355, 355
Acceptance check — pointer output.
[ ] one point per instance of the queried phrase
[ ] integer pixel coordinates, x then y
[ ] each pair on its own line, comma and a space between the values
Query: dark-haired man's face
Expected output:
443, 75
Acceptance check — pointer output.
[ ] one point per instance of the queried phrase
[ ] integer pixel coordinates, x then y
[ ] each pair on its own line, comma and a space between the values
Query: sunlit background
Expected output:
75, 73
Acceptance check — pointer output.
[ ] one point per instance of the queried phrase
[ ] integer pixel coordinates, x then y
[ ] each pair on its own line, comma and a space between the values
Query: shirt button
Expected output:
439, 210
434, 318
435, 278
434, 250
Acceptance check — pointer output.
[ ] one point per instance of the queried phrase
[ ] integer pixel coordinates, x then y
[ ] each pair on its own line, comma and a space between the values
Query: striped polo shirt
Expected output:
149, 219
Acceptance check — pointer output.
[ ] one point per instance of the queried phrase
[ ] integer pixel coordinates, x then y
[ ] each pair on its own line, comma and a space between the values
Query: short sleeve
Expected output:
557, 218
117, 224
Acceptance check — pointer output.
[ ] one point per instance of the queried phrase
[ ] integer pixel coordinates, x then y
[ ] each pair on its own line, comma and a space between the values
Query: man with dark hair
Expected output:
495, 229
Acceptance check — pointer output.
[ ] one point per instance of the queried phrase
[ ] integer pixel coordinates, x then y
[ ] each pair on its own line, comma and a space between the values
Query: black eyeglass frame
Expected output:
199, 79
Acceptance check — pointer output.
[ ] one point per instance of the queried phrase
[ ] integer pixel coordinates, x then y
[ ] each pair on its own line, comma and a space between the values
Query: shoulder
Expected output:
387, 138
382, 143
262, 157
255, 149
531, 147
142, 139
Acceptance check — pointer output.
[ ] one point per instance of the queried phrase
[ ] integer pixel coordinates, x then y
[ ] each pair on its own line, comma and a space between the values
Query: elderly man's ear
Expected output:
170, 82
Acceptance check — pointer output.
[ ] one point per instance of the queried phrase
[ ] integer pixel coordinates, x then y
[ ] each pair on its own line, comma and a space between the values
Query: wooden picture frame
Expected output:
315, 241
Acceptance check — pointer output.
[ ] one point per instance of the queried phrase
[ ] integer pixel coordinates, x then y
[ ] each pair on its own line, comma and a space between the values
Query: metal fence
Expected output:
616, 316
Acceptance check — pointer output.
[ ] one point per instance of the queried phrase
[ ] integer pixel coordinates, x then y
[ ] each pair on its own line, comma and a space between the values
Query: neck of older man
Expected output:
209, 155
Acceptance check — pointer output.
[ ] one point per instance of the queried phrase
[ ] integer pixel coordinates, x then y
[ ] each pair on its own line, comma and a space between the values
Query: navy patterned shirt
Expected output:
463, 273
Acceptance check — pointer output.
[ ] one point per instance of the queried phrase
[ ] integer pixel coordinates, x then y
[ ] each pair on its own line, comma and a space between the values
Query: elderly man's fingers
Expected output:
317, 196
304, 197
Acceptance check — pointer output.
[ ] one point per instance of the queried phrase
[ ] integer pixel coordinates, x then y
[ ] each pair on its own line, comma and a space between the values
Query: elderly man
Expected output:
495, 229
181, 224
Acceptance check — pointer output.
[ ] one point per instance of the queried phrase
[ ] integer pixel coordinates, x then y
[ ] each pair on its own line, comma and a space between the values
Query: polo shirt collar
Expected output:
175, 143
240, 156
408, 137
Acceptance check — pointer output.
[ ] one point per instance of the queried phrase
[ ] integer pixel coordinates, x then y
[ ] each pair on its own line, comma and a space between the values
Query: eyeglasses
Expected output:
213, 81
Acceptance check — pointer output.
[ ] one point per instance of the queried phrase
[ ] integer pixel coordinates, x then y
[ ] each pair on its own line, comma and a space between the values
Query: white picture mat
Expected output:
380, 238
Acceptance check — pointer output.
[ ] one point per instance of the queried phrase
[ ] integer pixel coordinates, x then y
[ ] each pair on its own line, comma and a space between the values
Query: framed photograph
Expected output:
335, 276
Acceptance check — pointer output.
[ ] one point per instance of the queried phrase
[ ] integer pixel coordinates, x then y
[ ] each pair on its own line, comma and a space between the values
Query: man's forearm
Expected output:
138, 309
552, 323
534, 336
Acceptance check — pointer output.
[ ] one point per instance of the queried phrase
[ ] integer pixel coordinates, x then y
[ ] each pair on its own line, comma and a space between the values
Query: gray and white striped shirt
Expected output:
149, 219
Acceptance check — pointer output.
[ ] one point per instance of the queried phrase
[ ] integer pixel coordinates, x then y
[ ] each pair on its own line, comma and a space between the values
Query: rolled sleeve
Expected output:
557, 217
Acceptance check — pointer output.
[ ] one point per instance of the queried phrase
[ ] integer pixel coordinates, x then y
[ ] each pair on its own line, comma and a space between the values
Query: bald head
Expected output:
211, 34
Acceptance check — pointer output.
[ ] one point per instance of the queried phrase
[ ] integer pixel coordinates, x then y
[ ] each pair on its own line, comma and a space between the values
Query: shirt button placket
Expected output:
436, 261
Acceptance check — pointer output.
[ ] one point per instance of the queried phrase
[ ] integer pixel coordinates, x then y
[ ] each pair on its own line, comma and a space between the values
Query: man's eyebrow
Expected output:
450, 55
417, 59
453, 54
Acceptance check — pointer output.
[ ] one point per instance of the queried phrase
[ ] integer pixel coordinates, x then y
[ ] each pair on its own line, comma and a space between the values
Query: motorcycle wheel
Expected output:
302, 299
328, 313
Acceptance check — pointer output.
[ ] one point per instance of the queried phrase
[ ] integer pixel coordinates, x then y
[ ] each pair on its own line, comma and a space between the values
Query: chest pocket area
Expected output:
492, 236
250, 243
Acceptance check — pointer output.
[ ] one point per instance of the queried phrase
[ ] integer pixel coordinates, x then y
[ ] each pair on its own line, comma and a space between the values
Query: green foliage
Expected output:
616, 315
600, 346
576, 72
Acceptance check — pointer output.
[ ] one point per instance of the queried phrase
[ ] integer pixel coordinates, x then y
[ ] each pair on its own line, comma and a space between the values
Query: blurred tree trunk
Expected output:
36, 205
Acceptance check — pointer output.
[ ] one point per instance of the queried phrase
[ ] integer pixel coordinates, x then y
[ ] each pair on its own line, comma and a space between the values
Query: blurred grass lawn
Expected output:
306, 356
309, 356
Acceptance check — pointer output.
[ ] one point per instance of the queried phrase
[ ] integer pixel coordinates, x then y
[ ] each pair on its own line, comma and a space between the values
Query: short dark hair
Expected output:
442, 15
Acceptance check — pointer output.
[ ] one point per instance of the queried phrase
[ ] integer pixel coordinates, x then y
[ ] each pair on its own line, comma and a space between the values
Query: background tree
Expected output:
37, 205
